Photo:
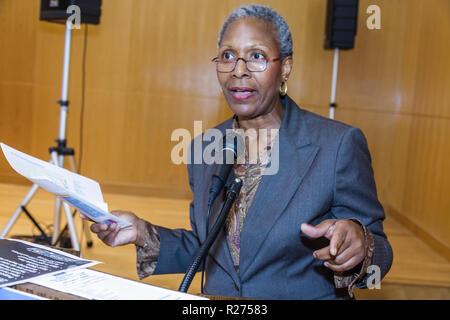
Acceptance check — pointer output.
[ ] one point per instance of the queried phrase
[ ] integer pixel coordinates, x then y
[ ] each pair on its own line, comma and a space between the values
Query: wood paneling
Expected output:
394, 85
149, 72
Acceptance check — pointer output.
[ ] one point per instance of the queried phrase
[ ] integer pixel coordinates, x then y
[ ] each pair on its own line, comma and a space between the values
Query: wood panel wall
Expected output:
148, 73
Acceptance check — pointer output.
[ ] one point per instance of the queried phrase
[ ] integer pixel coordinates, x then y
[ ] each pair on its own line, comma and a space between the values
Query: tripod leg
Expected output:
85, 227
72, 164
57, 213
56, 220
69, 218
18, 211
73, 232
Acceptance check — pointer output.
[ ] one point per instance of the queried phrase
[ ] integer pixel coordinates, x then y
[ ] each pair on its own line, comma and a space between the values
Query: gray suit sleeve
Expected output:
178, 246
355, 195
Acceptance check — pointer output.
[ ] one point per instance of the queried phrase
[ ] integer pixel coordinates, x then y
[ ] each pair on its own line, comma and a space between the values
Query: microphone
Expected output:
231, 196
232, 147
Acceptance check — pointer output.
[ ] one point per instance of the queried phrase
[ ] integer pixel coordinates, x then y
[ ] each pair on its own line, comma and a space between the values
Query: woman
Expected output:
311, 230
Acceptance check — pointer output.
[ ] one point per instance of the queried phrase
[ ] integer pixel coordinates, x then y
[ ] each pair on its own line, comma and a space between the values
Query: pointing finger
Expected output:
323, 229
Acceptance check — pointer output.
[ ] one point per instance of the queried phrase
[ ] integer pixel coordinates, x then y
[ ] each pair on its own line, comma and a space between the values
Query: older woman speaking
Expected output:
312, 230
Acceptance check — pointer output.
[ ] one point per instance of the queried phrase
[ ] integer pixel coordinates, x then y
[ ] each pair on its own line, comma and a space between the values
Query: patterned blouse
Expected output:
249, 168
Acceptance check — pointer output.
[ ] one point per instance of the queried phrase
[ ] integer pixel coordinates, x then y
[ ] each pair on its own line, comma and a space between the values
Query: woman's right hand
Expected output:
113, 236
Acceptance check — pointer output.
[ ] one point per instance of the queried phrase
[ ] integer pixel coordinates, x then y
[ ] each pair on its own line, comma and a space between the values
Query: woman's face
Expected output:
252, 94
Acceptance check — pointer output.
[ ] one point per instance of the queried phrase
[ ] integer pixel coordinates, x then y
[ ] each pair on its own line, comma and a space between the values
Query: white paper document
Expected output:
80, 192
96, 285
22, 261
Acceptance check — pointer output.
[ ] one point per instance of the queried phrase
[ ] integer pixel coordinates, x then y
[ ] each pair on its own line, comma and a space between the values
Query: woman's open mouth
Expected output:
242, 93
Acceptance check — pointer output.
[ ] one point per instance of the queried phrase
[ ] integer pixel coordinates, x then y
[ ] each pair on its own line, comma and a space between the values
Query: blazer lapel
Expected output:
219, 251
296, 154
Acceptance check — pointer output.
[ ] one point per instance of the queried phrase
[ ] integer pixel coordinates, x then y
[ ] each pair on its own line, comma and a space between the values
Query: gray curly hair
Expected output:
267, 14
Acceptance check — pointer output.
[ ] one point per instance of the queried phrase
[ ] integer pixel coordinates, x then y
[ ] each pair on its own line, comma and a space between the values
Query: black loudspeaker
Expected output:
341, 24
56, 10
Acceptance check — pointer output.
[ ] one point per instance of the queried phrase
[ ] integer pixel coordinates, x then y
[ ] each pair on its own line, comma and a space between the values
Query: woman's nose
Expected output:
241, 69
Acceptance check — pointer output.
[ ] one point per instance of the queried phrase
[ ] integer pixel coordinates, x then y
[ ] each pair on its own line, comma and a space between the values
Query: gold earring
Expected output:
284, 88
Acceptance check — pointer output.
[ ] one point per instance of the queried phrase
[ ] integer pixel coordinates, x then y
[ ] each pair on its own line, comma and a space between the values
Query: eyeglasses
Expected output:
259, 65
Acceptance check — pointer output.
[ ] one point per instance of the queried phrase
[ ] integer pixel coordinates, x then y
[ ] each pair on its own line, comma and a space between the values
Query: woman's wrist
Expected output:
141, 230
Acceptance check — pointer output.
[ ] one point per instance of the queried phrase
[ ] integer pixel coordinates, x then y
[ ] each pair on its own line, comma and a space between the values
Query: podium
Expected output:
52, 294
58, 295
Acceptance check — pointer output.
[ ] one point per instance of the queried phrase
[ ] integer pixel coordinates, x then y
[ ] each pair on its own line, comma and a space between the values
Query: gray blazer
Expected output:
324, 172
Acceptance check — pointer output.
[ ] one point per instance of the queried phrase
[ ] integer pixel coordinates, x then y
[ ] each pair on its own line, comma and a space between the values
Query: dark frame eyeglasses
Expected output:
251, 65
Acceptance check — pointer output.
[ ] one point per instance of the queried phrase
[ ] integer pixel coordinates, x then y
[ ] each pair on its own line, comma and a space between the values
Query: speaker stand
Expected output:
333, 104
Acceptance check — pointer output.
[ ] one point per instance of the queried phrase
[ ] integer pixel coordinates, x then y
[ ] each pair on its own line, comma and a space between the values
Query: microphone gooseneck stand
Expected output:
231, 196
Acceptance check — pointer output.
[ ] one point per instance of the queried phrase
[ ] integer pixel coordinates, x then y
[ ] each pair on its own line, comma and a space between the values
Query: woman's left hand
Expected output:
346, 249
